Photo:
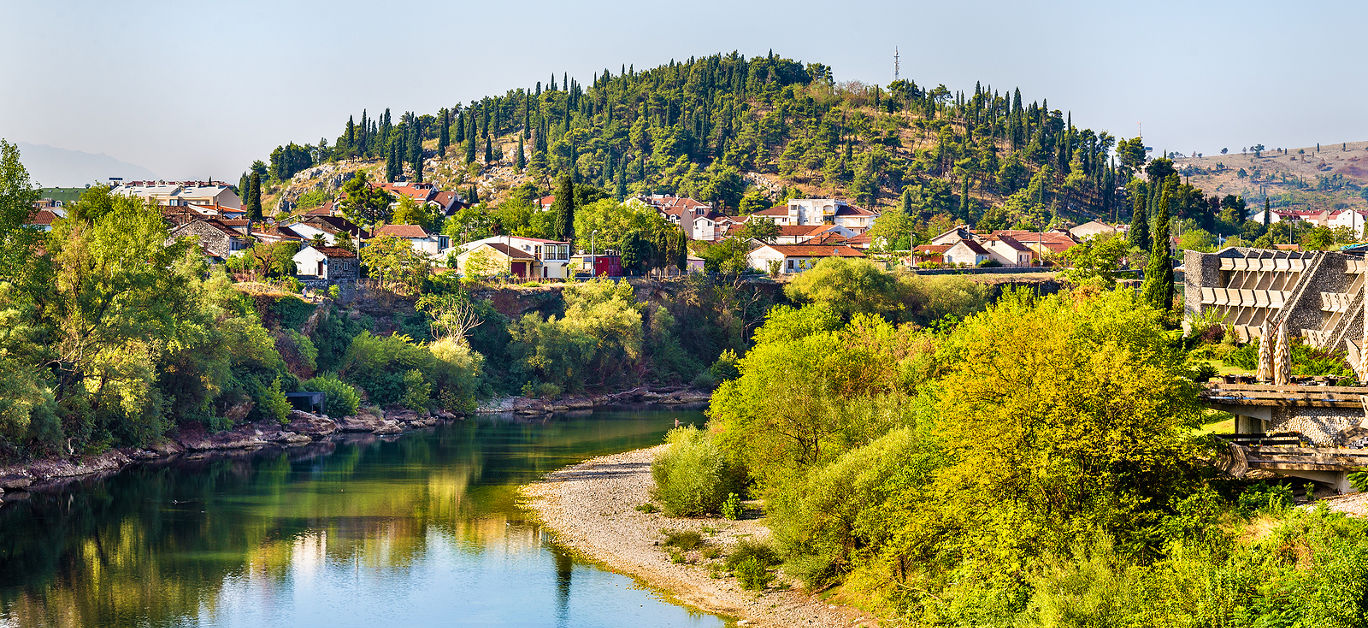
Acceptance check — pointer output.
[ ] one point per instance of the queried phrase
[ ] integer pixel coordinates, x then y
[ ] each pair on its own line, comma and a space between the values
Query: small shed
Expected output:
329, 263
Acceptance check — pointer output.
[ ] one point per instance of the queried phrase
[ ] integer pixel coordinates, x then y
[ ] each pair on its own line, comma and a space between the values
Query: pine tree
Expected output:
563, 209
254, 196
1158, 286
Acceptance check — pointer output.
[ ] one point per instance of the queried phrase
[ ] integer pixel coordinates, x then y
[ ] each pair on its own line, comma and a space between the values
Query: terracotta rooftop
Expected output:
410, 232
511, 252
334, 251
808, 250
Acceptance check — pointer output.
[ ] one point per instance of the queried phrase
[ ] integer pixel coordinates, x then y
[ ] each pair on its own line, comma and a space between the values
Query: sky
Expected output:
193, 89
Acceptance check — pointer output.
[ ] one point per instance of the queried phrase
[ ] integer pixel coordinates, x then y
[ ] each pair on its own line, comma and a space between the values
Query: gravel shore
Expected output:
591, 506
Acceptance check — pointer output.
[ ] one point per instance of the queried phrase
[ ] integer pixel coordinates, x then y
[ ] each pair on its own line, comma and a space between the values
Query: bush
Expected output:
455, 373
417, 391
693, 475
683, 539
343, 399
751, 562
753, 575
1359, 480
731, 507
273, 405
1270, 498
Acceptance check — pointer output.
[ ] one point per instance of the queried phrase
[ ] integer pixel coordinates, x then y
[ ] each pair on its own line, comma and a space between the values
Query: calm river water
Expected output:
419, 530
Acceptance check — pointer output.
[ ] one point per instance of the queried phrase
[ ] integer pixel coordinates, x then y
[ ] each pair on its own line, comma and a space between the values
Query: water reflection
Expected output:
418, 530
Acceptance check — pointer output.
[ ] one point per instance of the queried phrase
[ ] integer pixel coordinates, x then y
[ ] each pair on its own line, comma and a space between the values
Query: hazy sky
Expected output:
195, 89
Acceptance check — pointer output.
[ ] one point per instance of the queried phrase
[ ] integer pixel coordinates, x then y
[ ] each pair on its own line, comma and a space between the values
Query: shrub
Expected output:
417, 391
1272, 498
455, 373
273, 405
751, 562
1359, 480
731, 507
693, 475
752, 574
343, 399
647, 508
683, 539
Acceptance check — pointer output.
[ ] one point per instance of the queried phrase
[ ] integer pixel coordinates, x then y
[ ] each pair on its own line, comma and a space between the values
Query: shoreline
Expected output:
591, 508
193, 442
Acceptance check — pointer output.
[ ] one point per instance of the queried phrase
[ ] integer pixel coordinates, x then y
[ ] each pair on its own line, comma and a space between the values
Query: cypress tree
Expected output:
621, 191
1268, 213
473, 195
470, 147
1158, 286
521, 160
564, 209
965, 203
254, 197
351, 134
443, 132
415, 150
1139, 227
489, 150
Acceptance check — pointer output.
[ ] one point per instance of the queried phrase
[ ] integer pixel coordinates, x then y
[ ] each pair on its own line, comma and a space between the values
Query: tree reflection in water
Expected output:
235, 538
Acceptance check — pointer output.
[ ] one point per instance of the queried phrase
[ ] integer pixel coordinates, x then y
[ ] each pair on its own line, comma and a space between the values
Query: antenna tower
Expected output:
897, 69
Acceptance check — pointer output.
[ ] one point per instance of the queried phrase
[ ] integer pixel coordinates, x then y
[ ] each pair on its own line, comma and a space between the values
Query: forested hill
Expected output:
725, 128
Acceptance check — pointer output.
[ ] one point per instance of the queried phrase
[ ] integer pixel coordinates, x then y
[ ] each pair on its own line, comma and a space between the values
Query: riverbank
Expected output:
304, 428
591, 507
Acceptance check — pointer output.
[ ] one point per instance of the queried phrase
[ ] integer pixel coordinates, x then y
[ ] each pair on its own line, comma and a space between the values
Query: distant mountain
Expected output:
50, 166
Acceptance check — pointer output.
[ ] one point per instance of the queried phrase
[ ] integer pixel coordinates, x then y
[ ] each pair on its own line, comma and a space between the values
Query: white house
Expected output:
553, 256
327, 263
1007, 250
212, 193
433, 245
1351, 218
820, 211
1092, 228
968, 253
795, 258
954, 235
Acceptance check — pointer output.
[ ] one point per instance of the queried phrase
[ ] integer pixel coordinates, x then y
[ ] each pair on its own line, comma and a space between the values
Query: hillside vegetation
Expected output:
1329, 176
742, 133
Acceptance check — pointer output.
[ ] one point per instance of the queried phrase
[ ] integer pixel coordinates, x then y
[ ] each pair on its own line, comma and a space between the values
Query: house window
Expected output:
322, 268
790, 265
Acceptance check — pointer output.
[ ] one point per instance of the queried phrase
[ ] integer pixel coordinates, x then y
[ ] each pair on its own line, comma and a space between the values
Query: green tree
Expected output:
762, 229
1158, 286
363, 203
254, 198
848, 287
394, 264
563, 208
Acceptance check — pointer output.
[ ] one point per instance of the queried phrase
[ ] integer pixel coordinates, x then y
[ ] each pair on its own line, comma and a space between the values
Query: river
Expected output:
421, 529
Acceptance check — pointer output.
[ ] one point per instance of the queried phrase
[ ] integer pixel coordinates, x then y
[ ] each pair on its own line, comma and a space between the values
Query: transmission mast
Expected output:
897, 69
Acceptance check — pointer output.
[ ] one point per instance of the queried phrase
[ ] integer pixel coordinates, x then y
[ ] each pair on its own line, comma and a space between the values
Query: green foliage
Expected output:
1264, 498
693, 475
848, 286
597, 343
750, 561
363, 204
395, 265
1095, 261
683, 539
731, 507
417, 391
342, 399
273, 406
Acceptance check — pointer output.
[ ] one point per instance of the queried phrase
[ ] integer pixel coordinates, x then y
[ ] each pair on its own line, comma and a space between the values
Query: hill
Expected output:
56, 167
725, 128
1330, 176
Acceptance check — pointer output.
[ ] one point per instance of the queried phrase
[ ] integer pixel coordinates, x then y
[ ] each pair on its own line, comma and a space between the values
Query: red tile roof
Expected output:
973, 246
933, 248
773, 211
511, 252
410, 232
808, 250
334, 251
1008, 240
43, 218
